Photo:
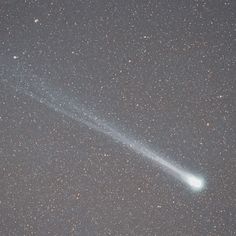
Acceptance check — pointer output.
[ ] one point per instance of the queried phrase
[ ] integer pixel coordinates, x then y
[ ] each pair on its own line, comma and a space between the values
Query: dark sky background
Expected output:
160, 71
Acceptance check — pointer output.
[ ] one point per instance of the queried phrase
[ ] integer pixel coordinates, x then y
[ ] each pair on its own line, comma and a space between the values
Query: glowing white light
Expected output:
196, 183
70, 107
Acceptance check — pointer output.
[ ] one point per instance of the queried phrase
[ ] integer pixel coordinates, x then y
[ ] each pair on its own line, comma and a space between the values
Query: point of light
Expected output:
196, 183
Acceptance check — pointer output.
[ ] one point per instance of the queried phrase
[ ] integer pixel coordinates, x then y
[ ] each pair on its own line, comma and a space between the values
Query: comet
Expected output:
68, 105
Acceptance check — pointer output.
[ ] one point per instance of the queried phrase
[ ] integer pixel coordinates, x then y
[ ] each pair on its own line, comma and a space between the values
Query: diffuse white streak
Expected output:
68, 106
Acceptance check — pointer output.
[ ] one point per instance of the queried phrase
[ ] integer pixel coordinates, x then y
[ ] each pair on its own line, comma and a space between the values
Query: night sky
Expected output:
161, 72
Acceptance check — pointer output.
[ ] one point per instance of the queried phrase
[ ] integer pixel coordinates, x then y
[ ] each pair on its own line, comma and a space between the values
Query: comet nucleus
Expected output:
196, 183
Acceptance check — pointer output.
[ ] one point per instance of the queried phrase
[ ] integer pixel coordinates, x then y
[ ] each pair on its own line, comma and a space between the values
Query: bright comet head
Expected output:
196, 183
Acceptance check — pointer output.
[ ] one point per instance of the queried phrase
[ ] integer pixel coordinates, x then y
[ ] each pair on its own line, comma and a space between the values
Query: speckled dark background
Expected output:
161, 71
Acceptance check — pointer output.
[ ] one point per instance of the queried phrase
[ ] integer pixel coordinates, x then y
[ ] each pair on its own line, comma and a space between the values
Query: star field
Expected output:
162, 72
